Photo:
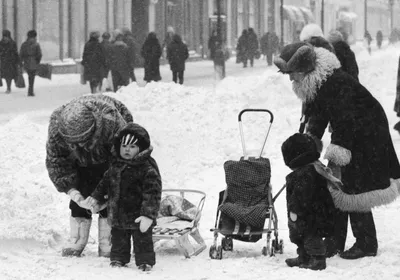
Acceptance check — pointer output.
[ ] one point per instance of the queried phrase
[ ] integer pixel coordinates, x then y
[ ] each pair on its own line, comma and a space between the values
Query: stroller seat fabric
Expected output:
247, 190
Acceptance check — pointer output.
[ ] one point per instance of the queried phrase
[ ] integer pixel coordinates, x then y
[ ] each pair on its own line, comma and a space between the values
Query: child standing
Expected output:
309, 203
133, 185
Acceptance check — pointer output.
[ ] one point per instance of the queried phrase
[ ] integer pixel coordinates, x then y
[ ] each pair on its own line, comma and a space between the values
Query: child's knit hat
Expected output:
299, 150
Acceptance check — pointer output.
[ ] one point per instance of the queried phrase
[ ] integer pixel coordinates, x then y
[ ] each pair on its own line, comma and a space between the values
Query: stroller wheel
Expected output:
219, 253
264, 251
273, 248
280, 247
227, 244
213, 252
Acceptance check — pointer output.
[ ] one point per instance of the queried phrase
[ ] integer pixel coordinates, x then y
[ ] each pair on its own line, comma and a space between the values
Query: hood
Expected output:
138, 131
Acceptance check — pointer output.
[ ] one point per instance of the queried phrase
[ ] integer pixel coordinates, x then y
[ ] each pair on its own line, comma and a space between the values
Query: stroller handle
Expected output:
256, 110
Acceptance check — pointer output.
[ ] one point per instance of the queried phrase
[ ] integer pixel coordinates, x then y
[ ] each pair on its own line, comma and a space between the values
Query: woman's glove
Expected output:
145, 223
293, 216
77, 197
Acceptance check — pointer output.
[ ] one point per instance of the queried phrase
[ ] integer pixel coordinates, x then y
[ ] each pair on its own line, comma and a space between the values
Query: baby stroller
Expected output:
247, 202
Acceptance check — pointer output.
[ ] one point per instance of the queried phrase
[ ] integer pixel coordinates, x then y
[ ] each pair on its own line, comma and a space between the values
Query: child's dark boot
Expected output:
315, 263
303, 258
117, 264
145, 267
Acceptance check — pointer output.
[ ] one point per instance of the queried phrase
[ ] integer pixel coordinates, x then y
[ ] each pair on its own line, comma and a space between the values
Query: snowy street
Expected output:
194, 130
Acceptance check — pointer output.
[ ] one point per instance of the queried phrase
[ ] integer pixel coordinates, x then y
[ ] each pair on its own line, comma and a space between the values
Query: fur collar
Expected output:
326, 64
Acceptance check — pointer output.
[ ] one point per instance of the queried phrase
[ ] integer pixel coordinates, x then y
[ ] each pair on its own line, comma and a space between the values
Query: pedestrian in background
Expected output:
94, 62
177, 53
9, 59
252, 45
368, 40
133, 48
31, 55
269, 44
168, 39
379, 39
212, 44
121, 61
151, 52
241, 49
106, 45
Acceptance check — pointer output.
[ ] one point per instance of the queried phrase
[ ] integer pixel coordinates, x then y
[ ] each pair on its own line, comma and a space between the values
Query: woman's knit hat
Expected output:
296, 57
299, 150
76, 123
311, 30
335, 36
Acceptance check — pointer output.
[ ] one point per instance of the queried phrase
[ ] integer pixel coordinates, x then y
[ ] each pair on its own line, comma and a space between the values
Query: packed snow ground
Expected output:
194, 130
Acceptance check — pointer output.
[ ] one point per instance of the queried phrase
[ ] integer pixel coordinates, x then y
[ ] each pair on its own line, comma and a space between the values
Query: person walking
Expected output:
368, 40
242, 48
212, 44
9, 59
134, 58
177, 53
94, 62
361, 151
252, 45
379, 39
151, 52
106, 45
120, 62
31, 55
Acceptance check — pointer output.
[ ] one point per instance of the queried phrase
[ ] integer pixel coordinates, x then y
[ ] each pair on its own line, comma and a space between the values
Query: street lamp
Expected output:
322, 15
365, 16
219, 37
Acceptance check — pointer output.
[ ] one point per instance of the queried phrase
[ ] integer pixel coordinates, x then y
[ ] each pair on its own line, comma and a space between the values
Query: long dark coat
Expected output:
121, 59
30, 54
242, 48
151, 52
177, 53
133, 187
9, 58
347, 58
252, 43
94, 61
106, 45
359, 125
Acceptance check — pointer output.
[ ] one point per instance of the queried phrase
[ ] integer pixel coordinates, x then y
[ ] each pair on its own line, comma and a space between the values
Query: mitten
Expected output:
145, 223
338, 155
90, 203
76, 196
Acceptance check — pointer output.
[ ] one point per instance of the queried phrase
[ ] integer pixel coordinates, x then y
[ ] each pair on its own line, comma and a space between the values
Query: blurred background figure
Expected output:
133, 52
120, 61
212, 44
252, 48
177, 53
168, 39
9, 59
106, 45
269, 44
94, 62
368, 40
379, 39
151, 52
241, 49
31, 55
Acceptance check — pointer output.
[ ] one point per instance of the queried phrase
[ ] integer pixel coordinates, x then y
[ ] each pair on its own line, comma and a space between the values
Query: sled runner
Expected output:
247, 201
179, 219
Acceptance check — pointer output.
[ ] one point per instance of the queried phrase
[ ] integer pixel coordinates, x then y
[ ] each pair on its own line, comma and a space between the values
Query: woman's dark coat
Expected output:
133, 186
151, 52
94, 61
177, 53
9, 58
30, 54
359, 125
242, 48
347, 58
121, 59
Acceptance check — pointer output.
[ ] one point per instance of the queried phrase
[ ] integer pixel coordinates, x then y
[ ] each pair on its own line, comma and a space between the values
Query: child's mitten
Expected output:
145, 223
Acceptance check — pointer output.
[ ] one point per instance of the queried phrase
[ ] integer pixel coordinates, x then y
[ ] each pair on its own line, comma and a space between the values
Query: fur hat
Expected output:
335, 36
311, 30
296, 57
132, 133
77, 123
299, 150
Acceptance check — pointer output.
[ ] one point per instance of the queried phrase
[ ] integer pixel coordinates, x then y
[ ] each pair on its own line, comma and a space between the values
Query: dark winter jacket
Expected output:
107, 48
242, 47
212, 45
121, 60
358, 122
62, 160
30, 54
347, 58
177, 53
307, 196
269, 43
9, 58
252, 43
133, 186
94, 60
151, 52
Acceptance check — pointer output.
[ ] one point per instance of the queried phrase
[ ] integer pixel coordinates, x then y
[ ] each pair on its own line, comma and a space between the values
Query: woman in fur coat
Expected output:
361, 149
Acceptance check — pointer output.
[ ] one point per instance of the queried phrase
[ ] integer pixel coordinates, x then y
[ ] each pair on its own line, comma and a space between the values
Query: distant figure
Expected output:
31, 55
379, 39
241, 48
9, 59
212, 44
94, 62
168, 39
269, 45
252, 45
106, 45
368, 40
177, 53
151, 52
133, 48
219, 58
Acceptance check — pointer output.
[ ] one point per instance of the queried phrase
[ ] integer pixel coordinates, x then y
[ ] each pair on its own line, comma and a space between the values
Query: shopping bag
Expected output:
82, 72
44, 70
19, 81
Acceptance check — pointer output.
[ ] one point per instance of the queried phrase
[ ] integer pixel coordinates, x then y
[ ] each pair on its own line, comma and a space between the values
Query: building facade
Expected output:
63, 26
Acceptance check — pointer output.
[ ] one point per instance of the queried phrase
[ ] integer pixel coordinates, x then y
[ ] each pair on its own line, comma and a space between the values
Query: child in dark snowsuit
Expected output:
133, 186
309, 203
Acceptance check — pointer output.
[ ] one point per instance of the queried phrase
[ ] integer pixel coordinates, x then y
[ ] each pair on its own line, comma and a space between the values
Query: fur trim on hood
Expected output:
326, 64
311, 30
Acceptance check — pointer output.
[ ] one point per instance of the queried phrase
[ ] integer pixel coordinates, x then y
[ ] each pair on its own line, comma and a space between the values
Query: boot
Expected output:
104, 238
80, 228
303, 258
355, 252
315, 263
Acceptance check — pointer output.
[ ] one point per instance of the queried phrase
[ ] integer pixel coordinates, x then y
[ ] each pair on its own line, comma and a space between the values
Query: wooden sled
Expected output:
187, 228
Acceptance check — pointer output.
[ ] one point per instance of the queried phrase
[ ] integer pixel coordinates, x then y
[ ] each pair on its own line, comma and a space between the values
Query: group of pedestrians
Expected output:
247, 47
12, 62
119, 56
